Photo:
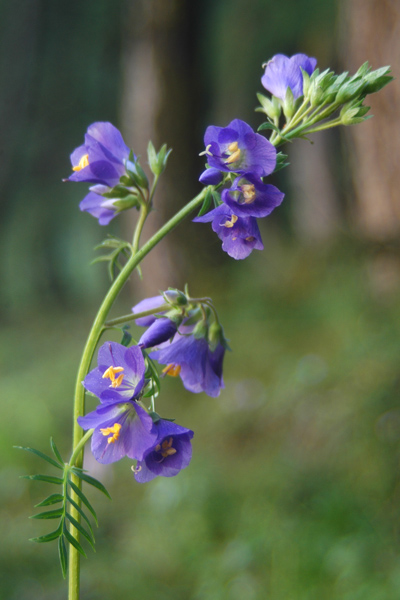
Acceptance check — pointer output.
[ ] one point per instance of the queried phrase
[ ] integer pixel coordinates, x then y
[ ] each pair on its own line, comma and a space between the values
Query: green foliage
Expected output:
68, 523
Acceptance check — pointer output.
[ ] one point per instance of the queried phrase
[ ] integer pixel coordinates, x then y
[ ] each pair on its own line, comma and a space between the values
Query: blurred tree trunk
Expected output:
371, 31
159, 104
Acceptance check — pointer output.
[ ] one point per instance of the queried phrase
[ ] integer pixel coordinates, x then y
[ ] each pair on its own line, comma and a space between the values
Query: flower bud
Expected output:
173, 296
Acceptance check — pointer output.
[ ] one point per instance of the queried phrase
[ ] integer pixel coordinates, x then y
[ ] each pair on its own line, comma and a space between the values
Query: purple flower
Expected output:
120, 429
147, 304
119, 375
239, 235
211, 176
282, 72
250, 197
171, 452
101, 159
99, 207
161, 330
191, 357
236, 148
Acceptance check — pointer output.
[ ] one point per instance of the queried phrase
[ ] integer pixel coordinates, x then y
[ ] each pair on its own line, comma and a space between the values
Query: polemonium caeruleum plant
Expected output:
182, 334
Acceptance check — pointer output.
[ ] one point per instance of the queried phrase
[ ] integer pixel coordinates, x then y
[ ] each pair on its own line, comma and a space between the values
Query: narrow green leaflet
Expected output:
80, 511
42, 455
81, 529
70, 538
90, 480
206, 204
49, 514
85, 501
63, 555
53, 499
46, 478
56, 451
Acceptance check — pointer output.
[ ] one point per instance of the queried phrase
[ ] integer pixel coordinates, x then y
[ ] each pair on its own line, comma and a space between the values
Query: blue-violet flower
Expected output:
239, 235
250, 197
171, 452
238, 149
282, 72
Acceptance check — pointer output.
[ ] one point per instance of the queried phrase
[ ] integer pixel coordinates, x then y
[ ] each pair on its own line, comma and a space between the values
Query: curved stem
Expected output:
89, 349
134, 316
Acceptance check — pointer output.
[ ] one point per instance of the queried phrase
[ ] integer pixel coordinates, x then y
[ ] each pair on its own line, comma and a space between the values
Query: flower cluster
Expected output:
122, 426
245, 157
187, 340
106, 161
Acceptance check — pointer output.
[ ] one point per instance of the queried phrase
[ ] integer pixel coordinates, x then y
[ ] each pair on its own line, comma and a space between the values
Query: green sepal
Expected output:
81, 529
49, 537
45, 478
156, 418
217, 198
53, 499
158, 161
49, 514
63, 556
56, 451
289, 104
126, 336
268, 125
90, 480
70, 538
205, 207
85, 501
350, 90
271, 108
175, 297
136, 172
43, 456
281, 161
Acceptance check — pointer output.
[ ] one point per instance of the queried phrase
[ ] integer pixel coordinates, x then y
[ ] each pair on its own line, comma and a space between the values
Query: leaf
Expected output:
80, 511
46, 478
85, 501
81, 529
53, 535
63, 555
280, 166
42, 455
56, 451
53, 499
50, 514
126, 336
268, 125
206, 204
90, 480
70, 538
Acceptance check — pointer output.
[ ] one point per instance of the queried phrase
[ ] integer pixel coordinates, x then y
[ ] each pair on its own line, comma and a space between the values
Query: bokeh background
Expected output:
293, 492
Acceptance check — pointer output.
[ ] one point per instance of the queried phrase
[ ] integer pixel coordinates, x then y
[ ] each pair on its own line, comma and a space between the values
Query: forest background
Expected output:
293, 491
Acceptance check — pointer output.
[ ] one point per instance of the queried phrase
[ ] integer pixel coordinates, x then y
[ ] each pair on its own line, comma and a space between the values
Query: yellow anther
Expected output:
230, 222
249, 192
234, 149
251, 238
113, 432
84, 162
166, 448
110, 374
172, 370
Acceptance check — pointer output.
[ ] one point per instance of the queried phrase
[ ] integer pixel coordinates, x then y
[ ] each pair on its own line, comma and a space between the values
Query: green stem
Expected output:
79, 447
89, 349
134, 316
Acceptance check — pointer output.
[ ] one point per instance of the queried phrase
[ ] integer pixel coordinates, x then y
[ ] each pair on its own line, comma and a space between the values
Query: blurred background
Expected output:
293, 491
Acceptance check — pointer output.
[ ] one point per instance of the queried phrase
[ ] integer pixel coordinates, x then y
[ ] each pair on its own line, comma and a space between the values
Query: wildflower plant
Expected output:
183, 336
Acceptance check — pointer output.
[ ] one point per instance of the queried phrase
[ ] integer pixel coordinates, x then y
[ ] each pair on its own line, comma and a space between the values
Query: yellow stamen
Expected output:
172, 370
166, 448
249, 193
110, 374
84, 162
234, 149
230, 222
113, 432
251, 238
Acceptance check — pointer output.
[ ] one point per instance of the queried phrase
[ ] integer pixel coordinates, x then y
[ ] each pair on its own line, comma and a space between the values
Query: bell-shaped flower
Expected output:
102, 158
238, 149
161, 330
120, 429
250, 197
191, 357
239, 235
282, 72
170, 453
119, 375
